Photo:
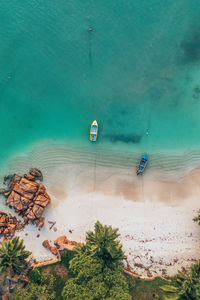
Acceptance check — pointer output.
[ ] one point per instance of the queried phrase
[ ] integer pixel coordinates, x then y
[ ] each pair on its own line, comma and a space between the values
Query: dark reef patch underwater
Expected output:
125, 138
190, 47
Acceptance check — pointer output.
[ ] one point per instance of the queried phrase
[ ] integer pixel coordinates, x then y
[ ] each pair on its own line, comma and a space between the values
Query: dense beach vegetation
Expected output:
42, 286
95, 270
185, 285
91, 271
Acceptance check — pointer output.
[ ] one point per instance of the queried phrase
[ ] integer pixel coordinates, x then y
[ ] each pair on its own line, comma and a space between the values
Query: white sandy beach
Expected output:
154, 217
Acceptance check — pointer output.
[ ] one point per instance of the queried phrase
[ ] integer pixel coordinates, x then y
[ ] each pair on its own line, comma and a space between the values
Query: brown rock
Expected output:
70, 231
20, 226
6, 194
61, 240
27, 197
42, 189
29, 177
40, 223
38, 211
38, 235
26, 188
14, 220
11, 226
3, 218
29, 215
46, 244
54, 250
10, 199
36, 173
8, 225
2, 191
25, 202
18, 202
42, 200
15, 179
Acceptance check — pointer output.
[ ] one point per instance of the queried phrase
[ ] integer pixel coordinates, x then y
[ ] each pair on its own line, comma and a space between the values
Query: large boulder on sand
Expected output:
46, 244
36, 173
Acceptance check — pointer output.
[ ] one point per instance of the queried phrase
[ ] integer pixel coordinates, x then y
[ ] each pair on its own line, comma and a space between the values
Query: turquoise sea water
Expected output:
137, 71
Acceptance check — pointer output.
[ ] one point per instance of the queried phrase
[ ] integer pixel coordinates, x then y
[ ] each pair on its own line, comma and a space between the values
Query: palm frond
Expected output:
13, 255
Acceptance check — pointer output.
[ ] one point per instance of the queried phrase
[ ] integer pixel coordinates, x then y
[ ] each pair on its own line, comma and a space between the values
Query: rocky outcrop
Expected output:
53, 249
60, 243
27, 197
8, 225
63, 243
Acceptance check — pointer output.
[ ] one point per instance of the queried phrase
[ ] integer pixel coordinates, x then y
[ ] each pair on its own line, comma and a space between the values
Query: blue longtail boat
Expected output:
142, 164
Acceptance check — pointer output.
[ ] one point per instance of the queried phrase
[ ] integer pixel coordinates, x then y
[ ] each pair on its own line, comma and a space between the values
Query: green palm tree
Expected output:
13, 255
103, 243
185, 285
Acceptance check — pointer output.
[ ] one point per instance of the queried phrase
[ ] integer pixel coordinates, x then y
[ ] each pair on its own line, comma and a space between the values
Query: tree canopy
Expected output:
103, 243
185, 285
40, 288
97, 271
92, 280
13, 255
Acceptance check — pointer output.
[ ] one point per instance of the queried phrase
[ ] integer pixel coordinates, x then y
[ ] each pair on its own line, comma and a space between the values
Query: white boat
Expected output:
94, 131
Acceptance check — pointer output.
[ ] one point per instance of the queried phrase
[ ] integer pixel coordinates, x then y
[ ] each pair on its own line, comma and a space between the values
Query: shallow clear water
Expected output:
137, 71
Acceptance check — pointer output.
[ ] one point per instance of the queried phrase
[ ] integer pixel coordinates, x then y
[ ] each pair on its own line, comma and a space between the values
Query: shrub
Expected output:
66, 256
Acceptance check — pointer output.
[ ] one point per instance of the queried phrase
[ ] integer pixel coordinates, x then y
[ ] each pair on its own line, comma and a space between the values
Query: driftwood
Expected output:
52, 224
45, 263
